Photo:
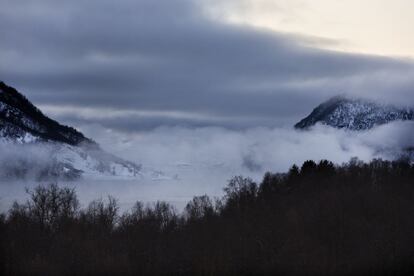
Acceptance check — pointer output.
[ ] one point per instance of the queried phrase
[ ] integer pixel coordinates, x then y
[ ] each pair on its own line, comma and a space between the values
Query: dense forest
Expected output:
317, 219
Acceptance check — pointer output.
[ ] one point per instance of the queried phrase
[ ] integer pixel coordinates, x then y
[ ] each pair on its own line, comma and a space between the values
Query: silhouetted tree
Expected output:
321, 219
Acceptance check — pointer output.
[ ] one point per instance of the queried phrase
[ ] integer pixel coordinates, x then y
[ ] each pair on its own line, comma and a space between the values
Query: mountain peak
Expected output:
354, 114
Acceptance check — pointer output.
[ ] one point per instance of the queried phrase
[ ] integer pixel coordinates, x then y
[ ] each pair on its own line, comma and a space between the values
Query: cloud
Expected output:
220, 153
255, 150
200, 161
169, 57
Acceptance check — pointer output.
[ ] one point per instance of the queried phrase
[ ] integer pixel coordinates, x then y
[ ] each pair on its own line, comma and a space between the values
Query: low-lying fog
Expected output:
201, 160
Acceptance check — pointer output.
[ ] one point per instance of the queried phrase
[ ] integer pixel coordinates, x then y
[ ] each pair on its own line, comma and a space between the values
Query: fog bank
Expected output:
196, 161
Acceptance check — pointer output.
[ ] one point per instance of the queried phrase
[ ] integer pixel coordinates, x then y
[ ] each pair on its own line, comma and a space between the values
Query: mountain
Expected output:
21, 120
354, 114
35, 146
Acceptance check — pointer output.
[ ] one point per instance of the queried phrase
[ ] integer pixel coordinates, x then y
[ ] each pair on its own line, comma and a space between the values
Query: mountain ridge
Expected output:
36, 146
18, 116
354, 114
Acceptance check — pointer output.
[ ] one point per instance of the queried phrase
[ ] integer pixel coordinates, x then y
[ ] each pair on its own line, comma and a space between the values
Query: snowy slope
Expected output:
354, 114
35, 146
18, 116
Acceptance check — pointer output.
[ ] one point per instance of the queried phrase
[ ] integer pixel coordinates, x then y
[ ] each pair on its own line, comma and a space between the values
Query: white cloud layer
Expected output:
200, 161
270, 149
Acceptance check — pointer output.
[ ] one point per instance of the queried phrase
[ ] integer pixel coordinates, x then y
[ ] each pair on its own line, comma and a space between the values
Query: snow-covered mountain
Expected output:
33, 145
354, 114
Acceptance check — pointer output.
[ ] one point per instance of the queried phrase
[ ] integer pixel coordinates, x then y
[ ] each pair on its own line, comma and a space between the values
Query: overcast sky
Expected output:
207, 89
134, 65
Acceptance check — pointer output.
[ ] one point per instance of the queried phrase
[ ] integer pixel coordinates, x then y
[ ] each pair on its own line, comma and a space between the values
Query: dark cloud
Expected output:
166, 55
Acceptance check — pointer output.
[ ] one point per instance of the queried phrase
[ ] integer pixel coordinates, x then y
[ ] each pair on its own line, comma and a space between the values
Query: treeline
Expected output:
319, 219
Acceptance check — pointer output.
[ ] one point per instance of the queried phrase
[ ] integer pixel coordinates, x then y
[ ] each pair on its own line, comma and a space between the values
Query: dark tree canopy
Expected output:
319, 219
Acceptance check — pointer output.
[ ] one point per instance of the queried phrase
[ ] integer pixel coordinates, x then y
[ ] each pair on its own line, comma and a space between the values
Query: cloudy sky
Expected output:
135, 65
208, 89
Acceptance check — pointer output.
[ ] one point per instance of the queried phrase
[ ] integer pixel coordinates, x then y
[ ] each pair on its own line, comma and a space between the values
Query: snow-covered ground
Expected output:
53, 160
